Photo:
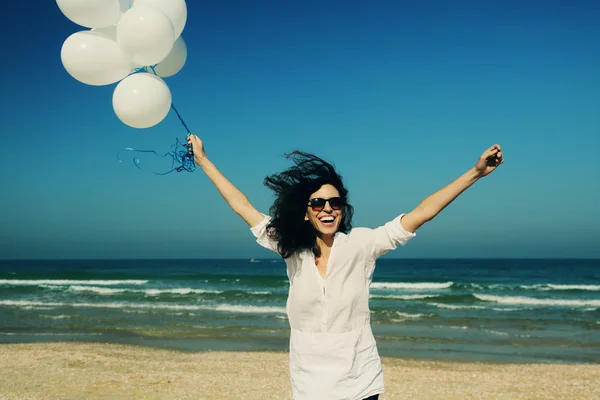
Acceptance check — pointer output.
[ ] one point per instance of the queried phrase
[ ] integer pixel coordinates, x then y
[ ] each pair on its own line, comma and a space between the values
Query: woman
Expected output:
333, 354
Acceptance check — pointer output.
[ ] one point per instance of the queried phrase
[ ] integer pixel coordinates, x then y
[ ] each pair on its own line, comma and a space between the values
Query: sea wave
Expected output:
404, 297
121, 305
497, 333
249, 309
410, 316
411, 285
472, 286
405, 316
552, 286
56, 316
462, 327
458, 307
59, 282
148, 292
47, 334
530, 301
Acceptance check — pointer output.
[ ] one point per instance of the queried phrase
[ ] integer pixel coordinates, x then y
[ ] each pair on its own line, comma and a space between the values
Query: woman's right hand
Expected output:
197, 147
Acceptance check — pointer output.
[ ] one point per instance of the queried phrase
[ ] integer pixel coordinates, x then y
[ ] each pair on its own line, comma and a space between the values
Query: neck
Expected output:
323, 245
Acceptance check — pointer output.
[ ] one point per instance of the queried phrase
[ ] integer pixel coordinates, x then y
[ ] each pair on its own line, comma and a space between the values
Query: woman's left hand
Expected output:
489, 160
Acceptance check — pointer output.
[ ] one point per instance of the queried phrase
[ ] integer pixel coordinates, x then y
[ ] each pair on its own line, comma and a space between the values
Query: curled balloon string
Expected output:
184, 157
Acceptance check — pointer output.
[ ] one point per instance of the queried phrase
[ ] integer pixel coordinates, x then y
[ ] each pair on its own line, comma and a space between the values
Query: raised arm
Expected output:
236, 199
433, 204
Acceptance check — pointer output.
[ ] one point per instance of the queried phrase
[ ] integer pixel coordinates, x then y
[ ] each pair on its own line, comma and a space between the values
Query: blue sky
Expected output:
401, 96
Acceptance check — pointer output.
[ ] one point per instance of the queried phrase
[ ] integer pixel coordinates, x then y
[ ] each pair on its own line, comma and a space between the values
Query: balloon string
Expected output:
151, 67
180, 156
181, 119
184, 157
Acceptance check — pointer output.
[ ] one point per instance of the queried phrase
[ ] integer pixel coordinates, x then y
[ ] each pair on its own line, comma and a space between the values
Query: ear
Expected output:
306, 217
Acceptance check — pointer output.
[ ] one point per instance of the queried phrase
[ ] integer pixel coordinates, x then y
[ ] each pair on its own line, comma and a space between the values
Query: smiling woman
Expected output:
302, 192
330, 267
326, 211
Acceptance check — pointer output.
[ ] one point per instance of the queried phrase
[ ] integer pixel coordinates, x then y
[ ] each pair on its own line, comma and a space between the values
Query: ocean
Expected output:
499, 310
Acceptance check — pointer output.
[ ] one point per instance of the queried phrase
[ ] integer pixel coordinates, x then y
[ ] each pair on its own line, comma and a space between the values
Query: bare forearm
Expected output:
435, 203
432, 205
234, 197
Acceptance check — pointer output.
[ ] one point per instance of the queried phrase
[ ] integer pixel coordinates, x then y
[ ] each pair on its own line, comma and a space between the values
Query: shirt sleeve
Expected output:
262, 237
387, 237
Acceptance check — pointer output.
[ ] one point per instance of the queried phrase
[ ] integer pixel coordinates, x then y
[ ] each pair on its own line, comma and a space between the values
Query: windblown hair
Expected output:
293, 188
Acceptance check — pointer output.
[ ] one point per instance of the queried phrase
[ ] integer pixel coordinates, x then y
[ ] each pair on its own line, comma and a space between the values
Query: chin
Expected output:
328, 231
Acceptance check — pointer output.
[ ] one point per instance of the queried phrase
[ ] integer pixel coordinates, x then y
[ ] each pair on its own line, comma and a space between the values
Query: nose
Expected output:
327, 207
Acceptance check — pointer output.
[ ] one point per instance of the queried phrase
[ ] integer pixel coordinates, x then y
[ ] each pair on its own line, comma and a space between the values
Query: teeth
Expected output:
327, 220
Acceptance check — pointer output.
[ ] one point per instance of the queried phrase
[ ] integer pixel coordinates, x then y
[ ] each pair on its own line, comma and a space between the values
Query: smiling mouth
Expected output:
328, 220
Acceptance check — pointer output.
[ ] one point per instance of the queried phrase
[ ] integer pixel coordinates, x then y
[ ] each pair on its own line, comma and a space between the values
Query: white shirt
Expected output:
333, 354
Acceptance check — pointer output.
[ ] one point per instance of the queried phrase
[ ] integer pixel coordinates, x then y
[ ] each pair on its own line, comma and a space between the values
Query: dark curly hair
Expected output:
293, 188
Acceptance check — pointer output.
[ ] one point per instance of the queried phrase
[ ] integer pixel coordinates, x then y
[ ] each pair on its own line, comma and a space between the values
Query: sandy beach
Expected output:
108, 371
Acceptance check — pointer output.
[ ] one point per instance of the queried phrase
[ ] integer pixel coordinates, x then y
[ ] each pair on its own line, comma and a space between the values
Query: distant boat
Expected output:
252, 260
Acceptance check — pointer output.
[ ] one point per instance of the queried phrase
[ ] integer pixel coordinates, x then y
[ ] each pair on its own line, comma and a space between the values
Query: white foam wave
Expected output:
49, 334
404, 297
183, 291
56, 316
457, 307
521, 300
497, 333
552, 286
119, 305
147, 292
574, 287
534, 287
493, 286
477, 286
410, 316
411, 286
463, 327
249, 309
471, 307
61, 282
94, 289
407, 316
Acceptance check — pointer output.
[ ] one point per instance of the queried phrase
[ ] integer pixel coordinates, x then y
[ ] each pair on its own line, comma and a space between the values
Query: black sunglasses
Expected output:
318, 203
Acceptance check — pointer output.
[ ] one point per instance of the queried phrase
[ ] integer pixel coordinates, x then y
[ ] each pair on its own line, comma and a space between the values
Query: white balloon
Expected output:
94, 58
91, 13
142, 100
176, 10
109, 31
174, 61
145, 35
